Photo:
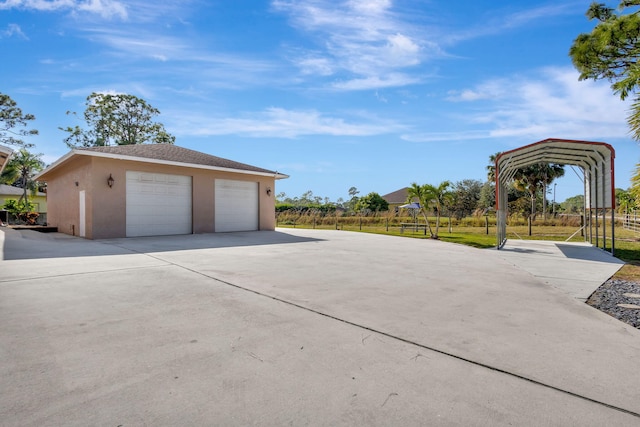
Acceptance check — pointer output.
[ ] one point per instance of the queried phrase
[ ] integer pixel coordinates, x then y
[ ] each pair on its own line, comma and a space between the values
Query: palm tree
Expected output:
428, 195
441, 197
625, 201
533, 177
549, 172
635, 185
420, 193
20, 169
491, 167
529, 179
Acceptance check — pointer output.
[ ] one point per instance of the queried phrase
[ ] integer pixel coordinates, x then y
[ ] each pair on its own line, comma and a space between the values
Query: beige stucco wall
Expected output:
63, 189
106, 207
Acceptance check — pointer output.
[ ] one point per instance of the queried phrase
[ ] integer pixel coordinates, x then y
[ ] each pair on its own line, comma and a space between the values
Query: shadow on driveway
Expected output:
29, 244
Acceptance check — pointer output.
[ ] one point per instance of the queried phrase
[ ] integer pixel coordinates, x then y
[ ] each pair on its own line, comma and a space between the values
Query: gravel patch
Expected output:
614, 297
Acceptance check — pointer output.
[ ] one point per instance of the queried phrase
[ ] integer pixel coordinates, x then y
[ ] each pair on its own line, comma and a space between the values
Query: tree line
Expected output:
108, 119
527, 196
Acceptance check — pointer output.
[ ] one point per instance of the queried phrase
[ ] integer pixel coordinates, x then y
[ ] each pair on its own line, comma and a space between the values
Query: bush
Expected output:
21, 211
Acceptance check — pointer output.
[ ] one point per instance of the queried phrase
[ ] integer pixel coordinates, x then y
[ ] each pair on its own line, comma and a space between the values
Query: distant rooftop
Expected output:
397, 197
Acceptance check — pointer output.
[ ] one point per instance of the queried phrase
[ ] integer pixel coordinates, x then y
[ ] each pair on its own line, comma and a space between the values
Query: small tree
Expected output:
420, 193
573, 204
351, 203
610, 51
20, 170
625, 201
429, 195
20, 209
535, 177
487, 197
119, 119
466, 195
372, 202
11, 117
441, 197
549, 173
491, 167
635, 186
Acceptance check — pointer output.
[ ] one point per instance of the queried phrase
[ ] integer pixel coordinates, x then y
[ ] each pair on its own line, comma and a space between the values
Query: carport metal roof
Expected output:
596, 159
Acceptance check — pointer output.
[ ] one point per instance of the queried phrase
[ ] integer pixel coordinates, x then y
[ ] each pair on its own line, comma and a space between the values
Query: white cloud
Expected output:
180, 57
553, 104
139, 43
505, 22
281, 123
370, 6
402, 50
362, 41
13, 30
103, 8
315, 65
376, 82
445, 136
487, 90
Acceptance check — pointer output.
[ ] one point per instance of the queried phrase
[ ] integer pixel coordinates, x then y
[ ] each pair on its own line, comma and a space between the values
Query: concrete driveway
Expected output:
304, 327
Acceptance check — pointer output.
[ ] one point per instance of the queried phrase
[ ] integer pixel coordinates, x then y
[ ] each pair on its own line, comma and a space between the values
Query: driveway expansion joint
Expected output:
404, 340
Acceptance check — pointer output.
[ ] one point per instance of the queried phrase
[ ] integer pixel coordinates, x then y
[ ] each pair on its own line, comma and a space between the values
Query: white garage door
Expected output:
158, 204
236, 205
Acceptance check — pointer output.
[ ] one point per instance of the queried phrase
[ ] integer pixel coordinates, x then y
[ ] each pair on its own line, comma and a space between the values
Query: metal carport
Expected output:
596, 159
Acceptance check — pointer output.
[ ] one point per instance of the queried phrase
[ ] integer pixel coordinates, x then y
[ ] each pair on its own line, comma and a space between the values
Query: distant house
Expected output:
398, 198
156, 189
9, 192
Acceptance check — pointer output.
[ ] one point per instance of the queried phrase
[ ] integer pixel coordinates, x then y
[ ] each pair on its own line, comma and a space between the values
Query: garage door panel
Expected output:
158, 204
236, 205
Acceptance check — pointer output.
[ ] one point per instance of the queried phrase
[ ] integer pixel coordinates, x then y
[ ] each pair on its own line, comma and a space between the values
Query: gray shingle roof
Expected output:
9, 190
174, 153
398, 196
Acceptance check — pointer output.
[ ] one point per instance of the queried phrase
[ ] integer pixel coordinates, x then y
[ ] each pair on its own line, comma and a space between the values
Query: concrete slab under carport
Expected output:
577, 268
300, 327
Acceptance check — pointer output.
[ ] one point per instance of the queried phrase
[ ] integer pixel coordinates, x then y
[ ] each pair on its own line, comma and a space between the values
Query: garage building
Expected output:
156, 189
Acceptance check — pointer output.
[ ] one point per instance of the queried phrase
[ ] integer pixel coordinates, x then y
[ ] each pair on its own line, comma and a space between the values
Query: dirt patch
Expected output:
629, 272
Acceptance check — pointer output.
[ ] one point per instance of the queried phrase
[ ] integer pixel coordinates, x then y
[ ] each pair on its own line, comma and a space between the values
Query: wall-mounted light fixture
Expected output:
110, 181
268, 191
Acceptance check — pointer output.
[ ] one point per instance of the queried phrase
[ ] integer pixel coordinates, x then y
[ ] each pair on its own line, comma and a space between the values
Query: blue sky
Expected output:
372, 94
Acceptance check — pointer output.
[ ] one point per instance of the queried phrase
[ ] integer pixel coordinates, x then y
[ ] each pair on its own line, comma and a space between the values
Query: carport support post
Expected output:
604, 229
604, 211
613, 230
